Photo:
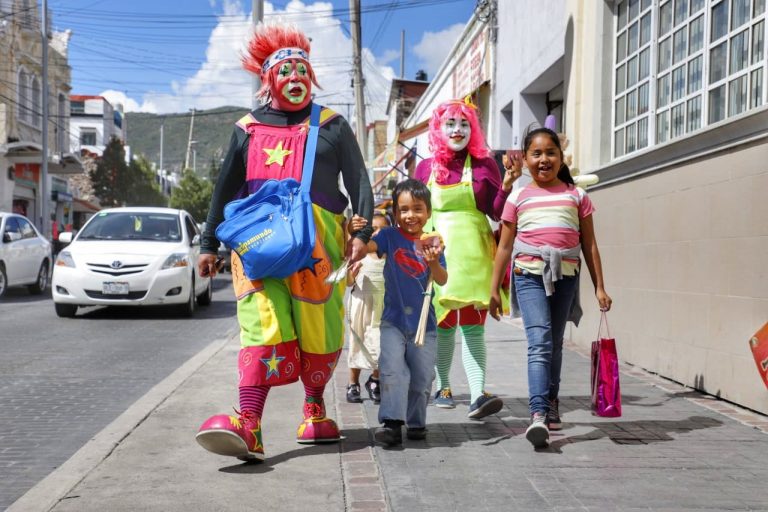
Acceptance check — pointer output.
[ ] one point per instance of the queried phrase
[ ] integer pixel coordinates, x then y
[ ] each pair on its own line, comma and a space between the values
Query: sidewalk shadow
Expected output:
353, 440
641, 432
517, 407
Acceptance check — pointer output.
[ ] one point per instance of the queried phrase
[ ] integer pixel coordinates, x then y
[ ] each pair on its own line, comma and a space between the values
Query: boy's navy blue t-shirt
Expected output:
405, 279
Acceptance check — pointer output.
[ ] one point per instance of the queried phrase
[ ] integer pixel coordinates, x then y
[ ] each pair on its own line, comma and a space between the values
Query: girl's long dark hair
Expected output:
564, 174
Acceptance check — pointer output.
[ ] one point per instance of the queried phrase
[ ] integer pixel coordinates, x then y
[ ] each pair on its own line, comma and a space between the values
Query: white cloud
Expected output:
119, 98
221, 80
434, 47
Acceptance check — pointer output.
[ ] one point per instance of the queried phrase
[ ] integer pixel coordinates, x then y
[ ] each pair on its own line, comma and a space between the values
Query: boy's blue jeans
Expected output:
406, 373
544, 319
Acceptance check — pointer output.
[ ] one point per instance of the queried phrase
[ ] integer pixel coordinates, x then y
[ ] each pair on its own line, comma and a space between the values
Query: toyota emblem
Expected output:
117, 264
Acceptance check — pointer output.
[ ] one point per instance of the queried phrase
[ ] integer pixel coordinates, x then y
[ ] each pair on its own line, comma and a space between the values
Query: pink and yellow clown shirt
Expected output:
292, 327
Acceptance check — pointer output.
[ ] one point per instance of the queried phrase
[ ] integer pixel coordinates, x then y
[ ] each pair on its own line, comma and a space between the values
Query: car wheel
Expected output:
42, 280
65, 310
188, 309
204, 299
3, 280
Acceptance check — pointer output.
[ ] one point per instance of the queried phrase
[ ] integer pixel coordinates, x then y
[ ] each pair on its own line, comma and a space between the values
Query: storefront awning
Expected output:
23, 152
26, 152
66, 163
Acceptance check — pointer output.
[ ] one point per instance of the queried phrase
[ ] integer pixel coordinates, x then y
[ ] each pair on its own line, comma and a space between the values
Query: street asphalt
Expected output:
673, 449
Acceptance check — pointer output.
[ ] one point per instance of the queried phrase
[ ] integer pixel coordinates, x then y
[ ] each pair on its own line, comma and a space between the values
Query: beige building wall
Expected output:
682, 229
684, 255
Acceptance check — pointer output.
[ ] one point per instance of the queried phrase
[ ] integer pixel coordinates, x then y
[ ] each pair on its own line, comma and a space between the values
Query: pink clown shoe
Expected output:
235, 436
316, 428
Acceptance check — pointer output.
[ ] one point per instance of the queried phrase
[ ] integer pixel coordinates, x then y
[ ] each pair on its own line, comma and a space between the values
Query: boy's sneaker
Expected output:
486, 404
416, 433
353, 394
374, 390
538, 433
553, 416
444, 399
390, 434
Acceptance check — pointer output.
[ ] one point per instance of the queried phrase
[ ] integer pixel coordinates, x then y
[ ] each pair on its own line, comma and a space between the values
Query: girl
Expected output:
545, 227
407, 370
466, 188
365, 307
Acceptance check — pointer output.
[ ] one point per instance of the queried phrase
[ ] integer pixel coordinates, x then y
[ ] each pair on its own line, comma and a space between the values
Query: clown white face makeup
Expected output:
291, 85
456, 131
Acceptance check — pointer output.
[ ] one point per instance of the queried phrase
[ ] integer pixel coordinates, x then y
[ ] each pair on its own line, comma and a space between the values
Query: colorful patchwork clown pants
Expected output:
293, 328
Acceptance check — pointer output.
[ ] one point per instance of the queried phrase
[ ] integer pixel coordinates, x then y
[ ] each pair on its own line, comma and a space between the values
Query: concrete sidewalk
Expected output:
673, 449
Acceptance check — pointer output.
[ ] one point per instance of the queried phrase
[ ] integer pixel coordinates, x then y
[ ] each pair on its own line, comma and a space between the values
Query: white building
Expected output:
94, 121
21, 118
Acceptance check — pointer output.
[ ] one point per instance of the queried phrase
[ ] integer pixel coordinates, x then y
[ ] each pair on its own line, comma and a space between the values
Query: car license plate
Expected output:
114, 288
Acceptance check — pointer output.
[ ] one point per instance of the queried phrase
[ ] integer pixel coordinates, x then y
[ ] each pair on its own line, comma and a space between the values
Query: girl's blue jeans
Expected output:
544, 319
406, 373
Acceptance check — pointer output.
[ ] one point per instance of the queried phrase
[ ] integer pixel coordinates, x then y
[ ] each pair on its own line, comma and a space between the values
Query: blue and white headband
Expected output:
283, 54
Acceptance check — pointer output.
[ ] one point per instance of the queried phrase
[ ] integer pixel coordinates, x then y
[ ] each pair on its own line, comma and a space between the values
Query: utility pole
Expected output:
258, 16
402, 54
45, 223
354, 8
162, 129
189, 141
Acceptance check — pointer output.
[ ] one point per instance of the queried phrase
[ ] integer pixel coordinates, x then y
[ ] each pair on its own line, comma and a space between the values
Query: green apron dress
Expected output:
469, 245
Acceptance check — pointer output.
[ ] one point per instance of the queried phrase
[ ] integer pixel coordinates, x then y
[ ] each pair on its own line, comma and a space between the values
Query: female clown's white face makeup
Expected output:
456, 132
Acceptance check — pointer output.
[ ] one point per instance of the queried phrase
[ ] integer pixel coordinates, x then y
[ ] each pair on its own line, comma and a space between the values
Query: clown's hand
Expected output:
356, 223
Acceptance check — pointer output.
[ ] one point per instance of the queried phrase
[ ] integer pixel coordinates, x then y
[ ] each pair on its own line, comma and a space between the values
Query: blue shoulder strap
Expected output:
309, 154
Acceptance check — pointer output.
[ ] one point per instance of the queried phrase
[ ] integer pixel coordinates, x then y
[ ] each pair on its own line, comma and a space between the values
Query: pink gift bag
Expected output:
606, 392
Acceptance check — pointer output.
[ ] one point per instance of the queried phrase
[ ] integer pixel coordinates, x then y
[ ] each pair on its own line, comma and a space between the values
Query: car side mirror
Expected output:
11, 236
196, 240
65, 237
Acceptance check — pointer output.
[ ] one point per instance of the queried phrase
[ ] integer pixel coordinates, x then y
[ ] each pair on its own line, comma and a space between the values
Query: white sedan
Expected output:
25, 256
131, 256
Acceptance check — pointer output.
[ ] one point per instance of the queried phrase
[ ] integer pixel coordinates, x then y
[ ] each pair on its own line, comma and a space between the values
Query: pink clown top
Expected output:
486, 181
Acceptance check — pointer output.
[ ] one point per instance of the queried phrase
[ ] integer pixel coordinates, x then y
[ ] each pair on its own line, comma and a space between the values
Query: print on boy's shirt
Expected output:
406, 275
410, 263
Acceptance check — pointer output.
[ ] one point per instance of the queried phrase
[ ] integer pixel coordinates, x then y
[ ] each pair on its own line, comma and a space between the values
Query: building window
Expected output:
87, 137
684, 64
23, 113
61, 124
36, 111
77, 107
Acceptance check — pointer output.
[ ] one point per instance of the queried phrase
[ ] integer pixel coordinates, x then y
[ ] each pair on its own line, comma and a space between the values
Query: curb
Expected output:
47, 493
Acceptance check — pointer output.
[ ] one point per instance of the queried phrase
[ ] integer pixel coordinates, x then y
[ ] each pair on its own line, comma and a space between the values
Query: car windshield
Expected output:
157, 227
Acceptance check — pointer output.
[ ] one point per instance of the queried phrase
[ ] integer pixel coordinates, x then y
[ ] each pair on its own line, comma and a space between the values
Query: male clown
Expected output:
290, 328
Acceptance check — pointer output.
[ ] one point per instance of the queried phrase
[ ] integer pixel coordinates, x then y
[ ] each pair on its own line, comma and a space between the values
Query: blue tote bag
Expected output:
273, 229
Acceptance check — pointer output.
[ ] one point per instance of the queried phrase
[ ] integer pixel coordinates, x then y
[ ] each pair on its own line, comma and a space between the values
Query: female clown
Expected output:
466, 188
290, 328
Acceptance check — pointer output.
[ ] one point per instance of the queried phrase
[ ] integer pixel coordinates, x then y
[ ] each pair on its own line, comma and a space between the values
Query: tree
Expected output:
144, 191
193, 194
117, 183
110, 178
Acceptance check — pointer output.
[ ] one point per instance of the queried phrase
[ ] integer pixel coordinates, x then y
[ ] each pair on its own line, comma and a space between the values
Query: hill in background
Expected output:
212, 131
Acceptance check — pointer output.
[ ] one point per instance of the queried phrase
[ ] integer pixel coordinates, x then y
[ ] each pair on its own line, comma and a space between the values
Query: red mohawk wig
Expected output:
266, 40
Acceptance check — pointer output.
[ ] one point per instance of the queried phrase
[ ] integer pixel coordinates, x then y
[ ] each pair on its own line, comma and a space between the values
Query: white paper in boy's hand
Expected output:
337, 275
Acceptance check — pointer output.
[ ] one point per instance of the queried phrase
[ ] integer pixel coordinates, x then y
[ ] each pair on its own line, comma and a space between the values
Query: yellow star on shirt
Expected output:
277, 155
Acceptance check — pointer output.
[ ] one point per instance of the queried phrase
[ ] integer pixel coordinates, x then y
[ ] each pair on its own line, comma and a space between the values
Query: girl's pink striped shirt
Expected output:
547, 216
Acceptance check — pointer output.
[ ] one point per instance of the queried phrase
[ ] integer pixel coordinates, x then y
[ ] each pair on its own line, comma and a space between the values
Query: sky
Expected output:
152, 57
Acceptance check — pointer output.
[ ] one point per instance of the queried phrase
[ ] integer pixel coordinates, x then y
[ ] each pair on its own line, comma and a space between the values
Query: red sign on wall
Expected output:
27, 172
